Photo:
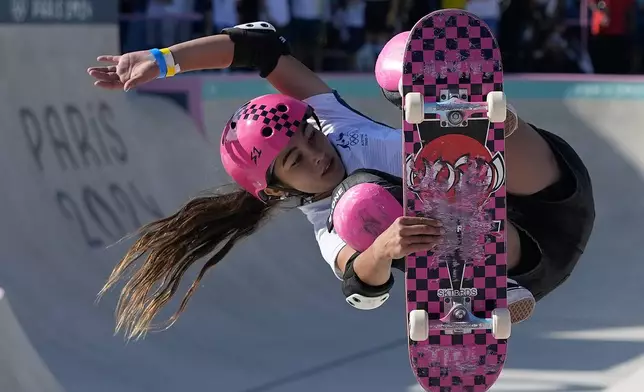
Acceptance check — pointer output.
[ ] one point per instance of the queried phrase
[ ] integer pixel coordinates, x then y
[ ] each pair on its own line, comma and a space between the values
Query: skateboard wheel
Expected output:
496, 106
501, 323
418, 325
414, 108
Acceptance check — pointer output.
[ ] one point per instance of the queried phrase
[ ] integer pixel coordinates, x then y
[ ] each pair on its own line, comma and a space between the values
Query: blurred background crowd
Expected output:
561, 36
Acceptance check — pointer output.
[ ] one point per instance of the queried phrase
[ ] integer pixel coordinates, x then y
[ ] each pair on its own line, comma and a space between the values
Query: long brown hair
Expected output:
213, 223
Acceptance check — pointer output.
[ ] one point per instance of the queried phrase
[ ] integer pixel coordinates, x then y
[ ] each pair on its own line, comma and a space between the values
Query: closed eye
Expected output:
312, 134
312, 137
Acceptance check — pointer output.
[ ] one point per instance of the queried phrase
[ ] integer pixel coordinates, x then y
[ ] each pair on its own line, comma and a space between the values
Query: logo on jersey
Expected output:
351, 138
455, 166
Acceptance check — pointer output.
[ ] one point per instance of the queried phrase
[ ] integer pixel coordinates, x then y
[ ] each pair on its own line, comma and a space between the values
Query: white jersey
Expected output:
362, 144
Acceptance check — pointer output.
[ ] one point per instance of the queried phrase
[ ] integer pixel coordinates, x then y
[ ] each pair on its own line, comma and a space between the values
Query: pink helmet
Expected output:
256, 134
389, 63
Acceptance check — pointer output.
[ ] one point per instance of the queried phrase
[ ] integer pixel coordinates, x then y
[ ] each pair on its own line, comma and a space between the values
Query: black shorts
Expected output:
554, 224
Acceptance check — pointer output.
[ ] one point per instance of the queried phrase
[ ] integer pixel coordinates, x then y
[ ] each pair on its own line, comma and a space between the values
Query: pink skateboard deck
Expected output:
455, 172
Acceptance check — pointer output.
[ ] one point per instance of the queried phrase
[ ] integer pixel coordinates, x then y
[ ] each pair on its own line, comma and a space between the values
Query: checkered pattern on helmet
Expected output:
271, 117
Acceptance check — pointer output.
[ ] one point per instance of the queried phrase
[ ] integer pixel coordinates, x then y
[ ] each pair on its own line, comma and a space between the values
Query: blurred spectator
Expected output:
410, 11
278, 13
510, 33
224, 14
611, 43
544, 47
349, 22
452, 3
535, 36
488, 10
347, 35
638, 36
131, 37
165, 26
127, 33
379, 25
248, 10
307, 33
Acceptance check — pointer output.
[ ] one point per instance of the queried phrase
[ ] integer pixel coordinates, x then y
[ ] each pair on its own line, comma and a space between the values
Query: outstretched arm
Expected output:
258, 46
290, 77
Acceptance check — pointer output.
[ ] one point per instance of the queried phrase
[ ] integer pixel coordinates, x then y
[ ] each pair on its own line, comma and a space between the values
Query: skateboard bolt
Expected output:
455, 117
459, 313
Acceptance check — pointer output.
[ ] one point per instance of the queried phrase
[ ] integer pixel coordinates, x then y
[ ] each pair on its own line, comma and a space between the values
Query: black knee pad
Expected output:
257, 45
361, 295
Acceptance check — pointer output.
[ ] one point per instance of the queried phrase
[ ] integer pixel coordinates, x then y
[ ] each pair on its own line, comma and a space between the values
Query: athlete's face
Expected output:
309, 163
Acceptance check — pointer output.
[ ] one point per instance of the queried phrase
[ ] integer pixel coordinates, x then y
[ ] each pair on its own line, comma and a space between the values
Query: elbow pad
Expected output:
257, 45
361, 295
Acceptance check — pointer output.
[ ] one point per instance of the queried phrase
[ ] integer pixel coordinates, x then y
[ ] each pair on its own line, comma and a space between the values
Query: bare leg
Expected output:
531, 167
531, 164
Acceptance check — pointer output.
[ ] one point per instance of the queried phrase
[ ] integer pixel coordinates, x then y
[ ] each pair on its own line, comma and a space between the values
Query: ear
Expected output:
275, 192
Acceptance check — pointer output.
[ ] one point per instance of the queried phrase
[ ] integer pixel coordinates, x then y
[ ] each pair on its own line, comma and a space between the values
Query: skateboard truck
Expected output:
453, 107
459, 320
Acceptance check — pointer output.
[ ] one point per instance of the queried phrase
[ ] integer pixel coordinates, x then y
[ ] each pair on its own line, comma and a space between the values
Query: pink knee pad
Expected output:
363, 212
389, 63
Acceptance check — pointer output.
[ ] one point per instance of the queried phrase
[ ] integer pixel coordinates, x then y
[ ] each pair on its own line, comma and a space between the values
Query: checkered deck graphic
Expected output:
453, 49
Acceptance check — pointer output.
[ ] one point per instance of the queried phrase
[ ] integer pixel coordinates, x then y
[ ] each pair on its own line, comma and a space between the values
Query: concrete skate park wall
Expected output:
80, 170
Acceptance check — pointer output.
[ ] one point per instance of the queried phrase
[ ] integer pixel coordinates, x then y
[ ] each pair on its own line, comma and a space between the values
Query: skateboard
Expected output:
453, 141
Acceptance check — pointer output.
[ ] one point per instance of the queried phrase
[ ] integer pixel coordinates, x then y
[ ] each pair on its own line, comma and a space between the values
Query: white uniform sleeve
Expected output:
333, 112
330, 245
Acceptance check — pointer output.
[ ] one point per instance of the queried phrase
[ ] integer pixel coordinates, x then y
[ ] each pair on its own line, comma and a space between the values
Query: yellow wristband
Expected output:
172, 67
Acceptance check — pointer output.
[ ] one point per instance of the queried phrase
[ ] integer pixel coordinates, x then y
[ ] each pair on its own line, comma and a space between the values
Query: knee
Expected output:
532, 163
514, 246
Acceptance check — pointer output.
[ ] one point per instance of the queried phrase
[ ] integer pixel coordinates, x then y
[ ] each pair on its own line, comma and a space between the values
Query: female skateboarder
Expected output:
292, 145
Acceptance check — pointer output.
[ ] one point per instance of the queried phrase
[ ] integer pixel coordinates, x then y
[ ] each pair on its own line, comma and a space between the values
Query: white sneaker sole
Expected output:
521, 310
